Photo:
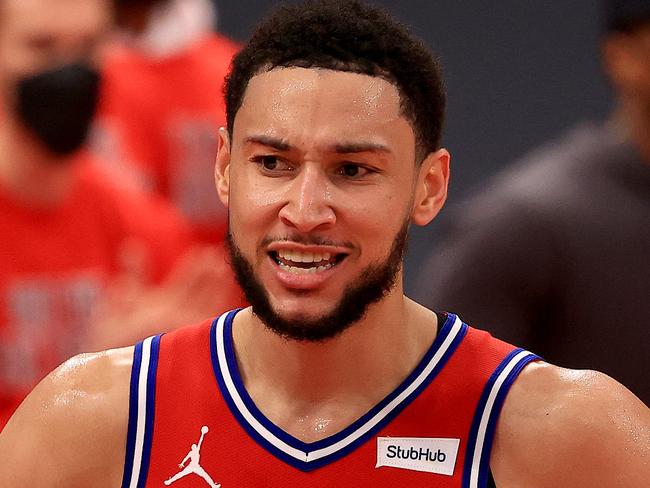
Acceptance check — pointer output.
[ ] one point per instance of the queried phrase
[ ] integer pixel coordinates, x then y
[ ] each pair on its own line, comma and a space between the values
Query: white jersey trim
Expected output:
488, 410
142, 412
310, 456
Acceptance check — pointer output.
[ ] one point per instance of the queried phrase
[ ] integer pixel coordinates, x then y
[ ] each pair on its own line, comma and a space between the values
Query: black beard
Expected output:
372, 285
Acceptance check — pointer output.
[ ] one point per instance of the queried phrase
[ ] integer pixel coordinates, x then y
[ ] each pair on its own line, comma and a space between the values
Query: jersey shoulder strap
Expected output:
510, 361
141, 412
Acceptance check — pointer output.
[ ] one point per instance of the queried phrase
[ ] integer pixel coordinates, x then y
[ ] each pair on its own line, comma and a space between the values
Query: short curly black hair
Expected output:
346, 35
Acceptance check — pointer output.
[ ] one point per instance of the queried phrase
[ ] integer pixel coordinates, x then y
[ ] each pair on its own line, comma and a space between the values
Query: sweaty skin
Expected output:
71, 430
558, 428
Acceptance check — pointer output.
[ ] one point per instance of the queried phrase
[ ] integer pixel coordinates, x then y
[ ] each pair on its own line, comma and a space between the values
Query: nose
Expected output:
308, 204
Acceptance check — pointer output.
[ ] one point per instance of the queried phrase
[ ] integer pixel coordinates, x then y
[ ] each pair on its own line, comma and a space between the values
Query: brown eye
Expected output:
350, 170
271, 165
269, 162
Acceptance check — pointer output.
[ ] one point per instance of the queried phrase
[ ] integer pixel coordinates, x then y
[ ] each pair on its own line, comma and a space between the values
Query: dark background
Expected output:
517, 73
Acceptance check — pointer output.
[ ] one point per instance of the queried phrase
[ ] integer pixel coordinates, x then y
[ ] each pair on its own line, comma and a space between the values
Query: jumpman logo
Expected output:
193, 467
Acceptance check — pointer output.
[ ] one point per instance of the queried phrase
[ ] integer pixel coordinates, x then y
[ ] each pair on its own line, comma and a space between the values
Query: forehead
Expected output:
319, 103
55, 17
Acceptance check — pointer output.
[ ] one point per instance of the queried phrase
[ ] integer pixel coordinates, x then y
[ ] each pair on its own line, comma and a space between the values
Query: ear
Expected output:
431, 187
222, 166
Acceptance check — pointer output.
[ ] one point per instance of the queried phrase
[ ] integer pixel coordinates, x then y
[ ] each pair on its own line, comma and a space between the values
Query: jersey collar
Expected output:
309, 456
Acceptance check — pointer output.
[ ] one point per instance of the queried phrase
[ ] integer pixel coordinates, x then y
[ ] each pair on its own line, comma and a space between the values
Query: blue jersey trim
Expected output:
150, 412
310, 447
484, 462
494, 416
133, 416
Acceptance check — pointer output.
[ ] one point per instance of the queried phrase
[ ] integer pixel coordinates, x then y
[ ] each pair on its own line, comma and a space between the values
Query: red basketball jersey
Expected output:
192, 423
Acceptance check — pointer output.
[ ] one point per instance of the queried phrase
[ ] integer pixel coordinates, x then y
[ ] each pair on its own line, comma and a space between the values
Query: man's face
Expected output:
36, 35
627, 62
321, 174
642, 44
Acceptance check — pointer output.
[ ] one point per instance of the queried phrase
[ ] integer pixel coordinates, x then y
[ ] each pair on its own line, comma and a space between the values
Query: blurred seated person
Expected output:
161, 105
555, 255
73, 243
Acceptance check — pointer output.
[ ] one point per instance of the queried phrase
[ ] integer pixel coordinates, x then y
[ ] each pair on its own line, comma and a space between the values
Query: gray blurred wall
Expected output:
518, 74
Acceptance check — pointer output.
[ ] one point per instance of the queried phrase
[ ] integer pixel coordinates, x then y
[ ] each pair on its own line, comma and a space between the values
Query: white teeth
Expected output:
296, 270
303, 257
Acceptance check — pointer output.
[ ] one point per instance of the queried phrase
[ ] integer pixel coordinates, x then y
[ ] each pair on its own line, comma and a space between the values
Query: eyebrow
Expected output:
273, 142
340, 148
358, 147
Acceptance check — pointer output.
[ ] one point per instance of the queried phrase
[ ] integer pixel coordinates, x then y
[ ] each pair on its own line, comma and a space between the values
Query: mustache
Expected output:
308, 240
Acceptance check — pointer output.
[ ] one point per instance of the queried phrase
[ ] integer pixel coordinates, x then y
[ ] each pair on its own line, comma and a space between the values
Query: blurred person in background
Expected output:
72, 242
333, 377
555, 254
161, 105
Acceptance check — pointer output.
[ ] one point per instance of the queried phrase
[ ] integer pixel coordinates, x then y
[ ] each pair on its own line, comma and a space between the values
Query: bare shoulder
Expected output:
565, 428
71, 430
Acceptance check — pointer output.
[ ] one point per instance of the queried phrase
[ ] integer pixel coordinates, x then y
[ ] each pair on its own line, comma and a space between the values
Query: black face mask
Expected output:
58, 105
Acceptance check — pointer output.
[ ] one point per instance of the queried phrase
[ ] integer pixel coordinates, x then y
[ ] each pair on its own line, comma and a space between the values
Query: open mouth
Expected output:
298, 262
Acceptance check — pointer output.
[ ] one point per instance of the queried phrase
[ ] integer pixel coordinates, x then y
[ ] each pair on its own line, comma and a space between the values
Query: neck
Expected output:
27, 170
339, 379
635, 117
